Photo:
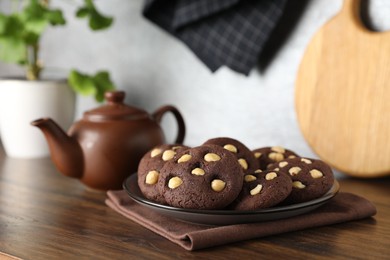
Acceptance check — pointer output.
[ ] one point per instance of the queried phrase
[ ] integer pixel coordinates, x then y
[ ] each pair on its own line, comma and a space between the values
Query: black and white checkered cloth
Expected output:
220, 32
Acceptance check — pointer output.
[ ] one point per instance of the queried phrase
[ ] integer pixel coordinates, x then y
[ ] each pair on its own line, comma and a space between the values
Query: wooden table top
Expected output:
44, 215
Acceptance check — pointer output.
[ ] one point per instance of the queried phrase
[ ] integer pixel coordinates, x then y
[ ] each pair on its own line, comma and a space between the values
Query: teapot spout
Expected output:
65, 151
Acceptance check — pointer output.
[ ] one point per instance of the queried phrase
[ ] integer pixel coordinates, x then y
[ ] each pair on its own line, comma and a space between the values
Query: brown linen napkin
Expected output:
342, 208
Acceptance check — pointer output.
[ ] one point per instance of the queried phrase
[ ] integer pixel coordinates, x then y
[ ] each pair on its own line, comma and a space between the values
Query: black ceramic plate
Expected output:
226, 217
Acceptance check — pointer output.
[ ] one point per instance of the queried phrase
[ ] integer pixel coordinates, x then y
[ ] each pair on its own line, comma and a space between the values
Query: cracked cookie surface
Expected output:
262, 190
311, 178
149, 169
267, 156
242, 153
203, 177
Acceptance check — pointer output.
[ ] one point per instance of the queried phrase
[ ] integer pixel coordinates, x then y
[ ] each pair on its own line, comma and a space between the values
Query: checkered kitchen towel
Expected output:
220, 32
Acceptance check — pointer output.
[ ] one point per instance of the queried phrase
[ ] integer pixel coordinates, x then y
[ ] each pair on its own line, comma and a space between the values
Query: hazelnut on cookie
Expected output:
149, 169
262, 189
266, 156
242, 153
203, 177
311, 178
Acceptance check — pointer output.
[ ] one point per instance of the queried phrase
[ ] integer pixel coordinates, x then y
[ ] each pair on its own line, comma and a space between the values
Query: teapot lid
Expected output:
115, 109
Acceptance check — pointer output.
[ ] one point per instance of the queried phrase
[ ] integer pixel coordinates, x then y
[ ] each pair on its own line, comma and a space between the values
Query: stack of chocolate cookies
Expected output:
223, 173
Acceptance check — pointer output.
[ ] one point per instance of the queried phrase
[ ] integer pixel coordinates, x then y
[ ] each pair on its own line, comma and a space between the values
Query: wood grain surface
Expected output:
343, 95
44, 215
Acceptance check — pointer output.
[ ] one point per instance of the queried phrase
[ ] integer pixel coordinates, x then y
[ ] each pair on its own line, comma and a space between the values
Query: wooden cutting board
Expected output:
342, 95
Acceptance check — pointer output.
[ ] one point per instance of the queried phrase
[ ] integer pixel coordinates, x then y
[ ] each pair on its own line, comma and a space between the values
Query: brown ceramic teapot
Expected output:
106, 145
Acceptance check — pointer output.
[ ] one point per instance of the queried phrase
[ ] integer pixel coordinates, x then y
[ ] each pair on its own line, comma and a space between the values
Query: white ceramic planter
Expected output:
23, 101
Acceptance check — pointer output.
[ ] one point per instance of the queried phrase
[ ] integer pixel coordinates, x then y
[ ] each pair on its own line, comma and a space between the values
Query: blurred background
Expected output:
155, 68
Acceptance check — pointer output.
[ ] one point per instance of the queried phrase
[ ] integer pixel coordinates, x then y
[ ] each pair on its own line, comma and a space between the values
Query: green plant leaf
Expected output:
3, 21
36, 26
86, 84
37, 16
103, 83
33, 11
82, 12
31, 38
97, 21
12, 50
81, 83
21, 31
55, 17
13, 27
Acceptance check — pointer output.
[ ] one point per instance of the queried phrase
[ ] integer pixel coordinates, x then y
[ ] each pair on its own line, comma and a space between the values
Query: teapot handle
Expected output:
159, 113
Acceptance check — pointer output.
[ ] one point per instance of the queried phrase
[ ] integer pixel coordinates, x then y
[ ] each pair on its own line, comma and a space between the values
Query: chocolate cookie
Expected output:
267, 156
149, 169
204, 177
311, 178
262, 190
244, 156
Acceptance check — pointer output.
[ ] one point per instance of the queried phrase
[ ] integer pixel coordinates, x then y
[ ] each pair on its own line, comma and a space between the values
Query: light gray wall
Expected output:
156, 69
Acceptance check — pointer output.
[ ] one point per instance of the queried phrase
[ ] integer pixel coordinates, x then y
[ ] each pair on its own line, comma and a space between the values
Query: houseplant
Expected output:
25, 99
